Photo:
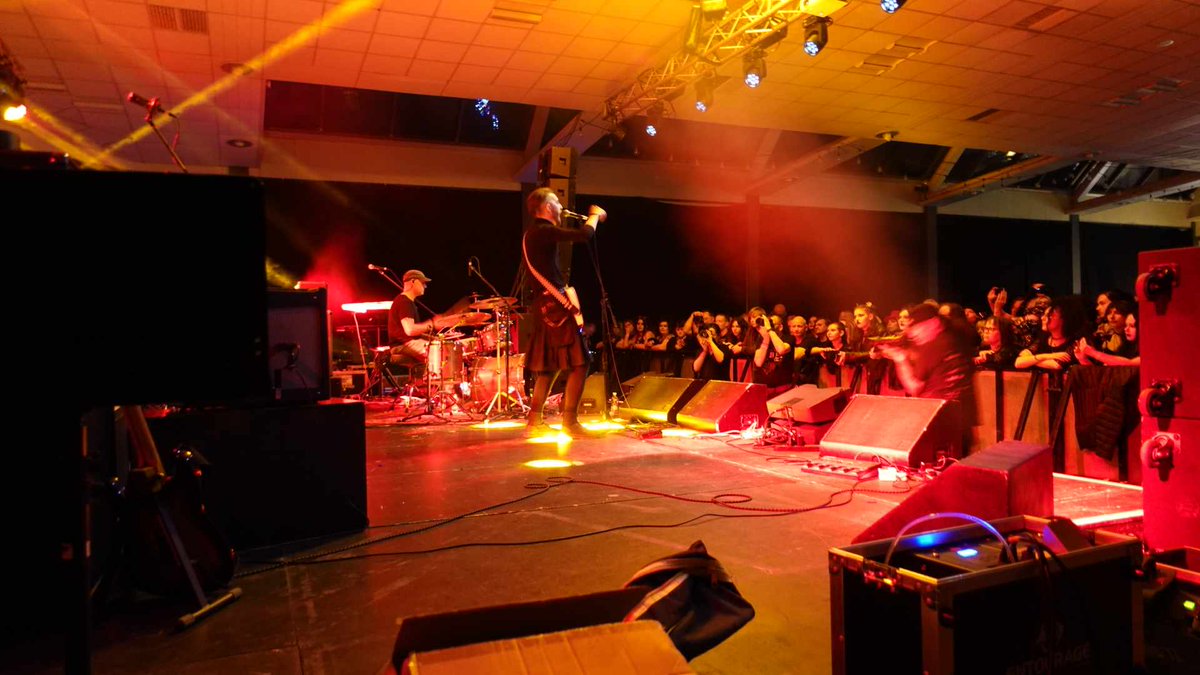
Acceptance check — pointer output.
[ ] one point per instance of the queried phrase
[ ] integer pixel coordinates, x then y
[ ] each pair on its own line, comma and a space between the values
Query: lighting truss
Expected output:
754, 24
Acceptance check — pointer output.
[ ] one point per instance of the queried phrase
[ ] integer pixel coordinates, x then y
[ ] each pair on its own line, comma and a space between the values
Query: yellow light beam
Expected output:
335, 17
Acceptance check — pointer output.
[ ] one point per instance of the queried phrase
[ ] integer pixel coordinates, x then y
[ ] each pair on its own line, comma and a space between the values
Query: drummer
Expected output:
406, 335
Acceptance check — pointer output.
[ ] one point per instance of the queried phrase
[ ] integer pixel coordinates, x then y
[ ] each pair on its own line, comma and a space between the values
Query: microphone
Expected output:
150, 104
470, 267
379, 268
572, 215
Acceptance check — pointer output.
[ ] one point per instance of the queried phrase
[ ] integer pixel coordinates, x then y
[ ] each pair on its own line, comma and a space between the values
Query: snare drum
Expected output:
487, 376
446, 361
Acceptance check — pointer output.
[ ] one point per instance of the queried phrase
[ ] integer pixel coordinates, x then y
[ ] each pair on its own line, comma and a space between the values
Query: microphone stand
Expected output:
150, 120
503, 348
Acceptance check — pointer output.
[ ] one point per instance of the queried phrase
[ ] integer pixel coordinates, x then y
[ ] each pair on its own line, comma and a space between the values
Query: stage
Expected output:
530, 536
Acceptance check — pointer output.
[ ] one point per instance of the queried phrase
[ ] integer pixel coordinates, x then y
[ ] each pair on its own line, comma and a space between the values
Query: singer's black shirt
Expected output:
541, 243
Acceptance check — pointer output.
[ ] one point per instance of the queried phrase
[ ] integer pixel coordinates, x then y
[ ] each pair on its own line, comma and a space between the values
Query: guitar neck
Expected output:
144, 450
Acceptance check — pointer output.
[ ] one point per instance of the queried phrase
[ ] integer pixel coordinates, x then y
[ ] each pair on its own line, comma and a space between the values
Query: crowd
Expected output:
858, 349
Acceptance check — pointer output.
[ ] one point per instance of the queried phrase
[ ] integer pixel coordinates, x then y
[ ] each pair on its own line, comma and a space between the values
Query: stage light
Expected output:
890, 6
713, 9
816, 34
654, 120
483, 106
704, 93
755, 68
12, 87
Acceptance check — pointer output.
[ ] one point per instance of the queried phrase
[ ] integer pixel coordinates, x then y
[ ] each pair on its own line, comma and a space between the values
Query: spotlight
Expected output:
713, 9
704, 93
484, 107
654, 120
12, 87
755, 68
816, 34
891, 6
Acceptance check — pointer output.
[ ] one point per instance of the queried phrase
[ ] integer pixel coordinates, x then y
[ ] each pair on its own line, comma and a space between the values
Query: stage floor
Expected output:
340, 616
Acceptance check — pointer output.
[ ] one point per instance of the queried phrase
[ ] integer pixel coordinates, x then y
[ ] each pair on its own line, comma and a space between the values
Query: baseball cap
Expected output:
416, 274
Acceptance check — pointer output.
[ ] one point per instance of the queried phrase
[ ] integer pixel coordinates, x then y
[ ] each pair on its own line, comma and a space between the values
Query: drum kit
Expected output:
480, 372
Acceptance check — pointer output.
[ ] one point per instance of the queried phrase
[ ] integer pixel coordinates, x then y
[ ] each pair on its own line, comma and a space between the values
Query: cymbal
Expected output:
467, 318
494, 303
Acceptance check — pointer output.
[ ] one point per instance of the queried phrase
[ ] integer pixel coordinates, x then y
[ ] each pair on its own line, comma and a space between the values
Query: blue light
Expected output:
753, 80
967, 552
482, 106
811, 48
890, 6
926, 540
701, 106
495, 123
651, 130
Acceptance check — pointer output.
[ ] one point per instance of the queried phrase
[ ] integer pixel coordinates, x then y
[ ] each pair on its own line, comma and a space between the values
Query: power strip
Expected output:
843, 468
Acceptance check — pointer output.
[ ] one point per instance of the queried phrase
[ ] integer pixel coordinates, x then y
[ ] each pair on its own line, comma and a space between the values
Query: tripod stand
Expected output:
502, 402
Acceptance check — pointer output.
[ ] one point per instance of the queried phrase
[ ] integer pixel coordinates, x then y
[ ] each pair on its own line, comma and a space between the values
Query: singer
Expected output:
556, 345
405, 333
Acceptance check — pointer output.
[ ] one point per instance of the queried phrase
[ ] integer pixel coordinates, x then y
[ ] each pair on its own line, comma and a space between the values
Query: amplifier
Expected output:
948, 601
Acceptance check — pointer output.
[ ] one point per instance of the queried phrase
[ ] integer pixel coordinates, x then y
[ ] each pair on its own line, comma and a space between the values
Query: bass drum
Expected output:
487, 377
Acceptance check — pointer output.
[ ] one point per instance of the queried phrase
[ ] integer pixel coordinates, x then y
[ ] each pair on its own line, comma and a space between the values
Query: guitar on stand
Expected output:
172, 547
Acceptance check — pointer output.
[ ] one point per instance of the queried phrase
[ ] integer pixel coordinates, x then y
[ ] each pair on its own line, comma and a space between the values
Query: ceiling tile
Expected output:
295, 11
391, 65
347, 40
431, 70
511, 77
553, 82
473, 11
476, 74
16, 24
387, 45
406, 25
500, 36
338, 59
546, 43
452, 31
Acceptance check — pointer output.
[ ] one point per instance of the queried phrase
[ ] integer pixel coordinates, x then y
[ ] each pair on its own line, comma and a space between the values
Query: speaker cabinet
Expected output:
277, 473
557, 162
808, 404
1011, 478
902, 431
298, 345
659, 399
720, 406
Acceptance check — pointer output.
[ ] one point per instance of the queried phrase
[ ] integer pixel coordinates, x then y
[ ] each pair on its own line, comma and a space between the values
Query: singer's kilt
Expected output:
556, 342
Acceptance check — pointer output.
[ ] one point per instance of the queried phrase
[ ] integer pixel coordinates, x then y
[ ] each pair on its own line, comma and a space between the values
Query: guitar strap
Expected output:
553, 290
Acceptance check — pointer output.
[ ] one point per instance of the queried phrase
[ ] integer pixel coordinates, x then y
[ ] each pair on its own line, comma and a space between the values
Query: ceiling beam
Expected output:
766, 148
1086, 184
537, 129
997, 179
1161, 188
814, 161
944, 167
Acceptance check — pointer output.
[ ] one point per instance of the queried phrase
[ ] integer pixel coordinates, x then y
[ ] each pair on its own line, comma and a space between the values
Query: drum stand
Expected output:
432, 397
503, 402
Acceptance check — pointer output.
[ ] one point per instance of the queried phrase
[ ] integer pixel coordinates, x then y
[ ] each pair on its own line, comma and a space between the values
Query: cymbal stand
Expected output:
502, 401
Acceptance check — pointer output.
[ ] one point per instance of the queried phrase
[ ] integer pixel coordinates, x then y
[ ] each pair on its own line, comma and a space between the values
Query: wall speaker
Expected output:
299, 360
659, 399
902, 431
720, 406
557, 162
808, 404
1011, 478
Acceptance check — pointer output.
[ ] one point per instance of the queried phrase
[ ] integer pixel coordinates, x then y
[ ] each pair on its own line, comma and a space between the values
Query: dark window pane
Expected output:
292, 106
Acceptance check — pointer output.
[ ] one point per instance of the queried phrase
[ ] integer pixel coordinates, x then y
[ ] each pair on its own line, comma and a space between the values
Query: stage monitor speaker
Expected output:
594, 403
298, 346
658, 399
808, 404
1011, 478
898, 430
720, 406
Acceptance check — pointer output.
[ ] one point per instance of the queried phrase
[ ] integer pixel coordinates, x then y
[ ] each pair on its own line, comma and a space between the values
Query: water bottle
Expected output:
612, 406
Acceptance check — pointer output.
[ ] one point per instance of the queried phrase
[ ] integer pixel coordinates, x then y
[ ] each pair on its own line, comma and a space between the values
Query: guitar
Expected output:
172, 545
567, 297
